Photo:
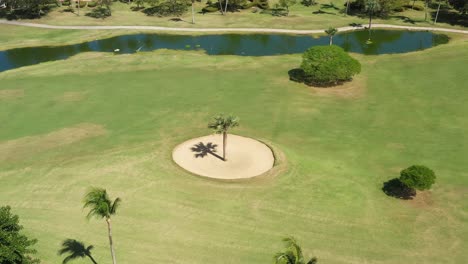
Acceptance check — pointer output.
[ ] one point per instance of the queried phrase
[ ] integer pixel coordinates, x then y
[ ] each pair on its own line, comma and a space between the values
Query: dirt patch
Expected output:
422, 200
11, 94
246, 157
354, 89
72, 96
25, 146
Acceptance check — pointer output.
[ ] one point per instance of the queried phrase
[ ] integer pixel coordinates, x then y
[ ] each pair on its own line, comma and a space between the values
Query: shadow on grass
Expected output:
75, 249
395, 188
202, 150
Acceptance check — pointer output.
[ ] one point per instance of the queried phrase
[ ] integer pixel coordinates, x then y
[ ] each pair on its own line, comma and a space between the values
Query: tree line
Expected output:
16, 9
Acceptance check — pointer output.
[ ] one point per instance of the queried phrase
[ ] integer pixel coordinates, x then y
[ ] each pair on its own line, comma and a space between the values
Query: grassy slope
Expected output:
404, 109
300, 17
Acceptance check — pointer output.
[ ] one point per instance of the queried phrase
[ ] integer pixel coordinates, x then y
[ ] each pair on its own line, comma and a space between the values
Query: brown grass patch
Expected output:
422, 200
11, 94
354, 89
72, 96
22, 147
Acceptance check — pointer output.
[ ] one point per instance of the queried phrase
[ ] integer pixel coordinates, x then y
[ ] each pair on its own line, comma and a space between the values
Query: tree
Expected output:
221, 124
347, 7
292, 254
75, 249
371, 7
331, 31
101, 206
287, 3
15, 248
460, 5
193, 12
328, 65
426, 3
418, 177
437, 13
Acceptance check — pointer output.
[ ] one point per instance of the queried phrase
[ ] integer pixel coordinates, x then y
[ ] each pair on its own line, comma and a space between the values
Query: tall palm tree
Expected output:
292, 254
101, 206
347, 7
75, 249
371, 7
331, 31
193, 12
437, 13
221, 124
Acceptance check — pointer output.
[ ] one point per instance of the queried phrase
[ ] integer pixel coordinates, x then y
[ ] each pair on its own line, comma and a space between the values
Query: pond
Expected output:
383, 42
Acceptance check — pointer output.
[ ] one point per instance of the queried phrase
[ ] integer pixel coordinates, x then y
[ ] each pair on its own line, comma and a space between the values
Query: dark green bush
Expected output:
308, 2
92, 4
172, 8
100, 12
418, 177
399, 9
209, 9
66, 3
415, 7
328, 65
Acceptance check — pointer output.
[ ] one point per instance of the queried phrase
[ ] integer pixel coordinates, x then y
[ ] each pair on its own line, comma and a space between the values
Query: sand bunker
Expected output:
246, 157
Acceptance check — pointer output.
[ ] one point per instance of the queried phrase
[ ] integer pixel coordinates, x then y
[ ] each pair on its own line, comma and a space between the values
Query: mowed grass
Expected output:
112, 121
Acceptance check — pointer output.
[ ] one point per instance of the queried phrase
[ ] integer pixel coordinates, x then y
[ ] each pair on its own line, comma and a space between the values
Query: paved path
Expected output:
223, 30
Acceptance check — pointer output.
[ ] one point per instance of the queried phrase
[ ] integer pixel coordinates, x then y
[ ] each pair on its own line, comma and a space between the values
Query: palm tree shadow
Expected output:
75, 249
202, 150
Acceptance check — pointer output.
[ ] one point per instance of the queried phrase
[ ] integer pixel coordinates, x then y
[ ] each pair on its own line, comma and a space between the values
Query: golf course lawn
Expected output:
112, 121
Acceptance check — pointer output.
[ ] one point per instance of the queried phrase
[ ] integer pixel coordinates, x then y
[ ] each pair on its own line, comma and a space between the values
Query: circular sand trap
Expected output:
245, 157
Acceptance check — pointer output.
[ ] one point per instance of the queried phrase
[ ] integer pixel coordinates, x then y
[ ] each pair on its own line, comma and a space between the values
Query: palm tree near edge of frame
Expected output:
292, 254
100, 206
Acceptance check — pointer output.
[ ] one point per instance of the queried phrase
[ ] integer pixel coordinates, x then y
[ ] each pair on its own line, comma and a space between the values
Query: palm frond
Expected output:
98, 202
222, 123
115, 205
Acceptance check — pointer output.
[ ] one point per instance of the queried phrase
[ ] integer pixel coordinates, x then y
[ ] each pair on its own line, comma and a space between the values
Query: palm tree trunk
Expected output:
225, 8
78, 7
347, 7
331, 40
221, 7
437, 14
425, 10
91, 258
114, 261
224, 145
412, 7
370, 24
193, 12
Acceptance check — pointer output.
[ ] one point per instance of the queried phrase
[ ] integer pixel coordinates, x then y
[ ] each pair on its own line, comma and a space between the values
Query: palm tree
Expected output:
75, 249
331, 32
102, 207
292, 254
437, 14
371, 7
347, 7
193, 12
221, 124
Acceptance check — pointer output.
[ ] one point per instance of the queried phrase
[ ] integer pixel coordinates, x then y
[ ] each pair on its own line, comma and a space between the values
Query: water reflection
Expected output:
384, 42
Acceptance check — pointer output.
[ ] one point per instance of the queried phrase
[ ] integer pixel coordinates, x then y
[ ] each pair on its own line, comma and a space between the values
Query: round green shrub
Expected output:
92, 4
328, 65
418, 177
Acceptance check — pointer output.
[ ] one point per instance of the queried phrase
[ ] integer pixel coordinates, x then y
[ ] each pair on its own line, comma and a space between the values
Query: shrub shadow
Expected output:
395, 188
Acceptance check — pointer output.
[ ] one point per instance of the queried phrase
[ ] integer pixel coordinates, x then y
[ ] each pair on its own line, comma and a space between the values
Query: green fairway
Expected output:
110, 121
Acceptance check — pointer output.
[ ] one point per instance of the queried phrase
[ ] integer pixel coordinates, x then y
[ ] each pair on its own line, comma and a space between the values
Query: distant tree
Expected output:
74, 250
460, 5
193, 12
371, 7
292, 254
221, 125
287, 3
331, 31
101, 206
437, 13
418, 177
15, 248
